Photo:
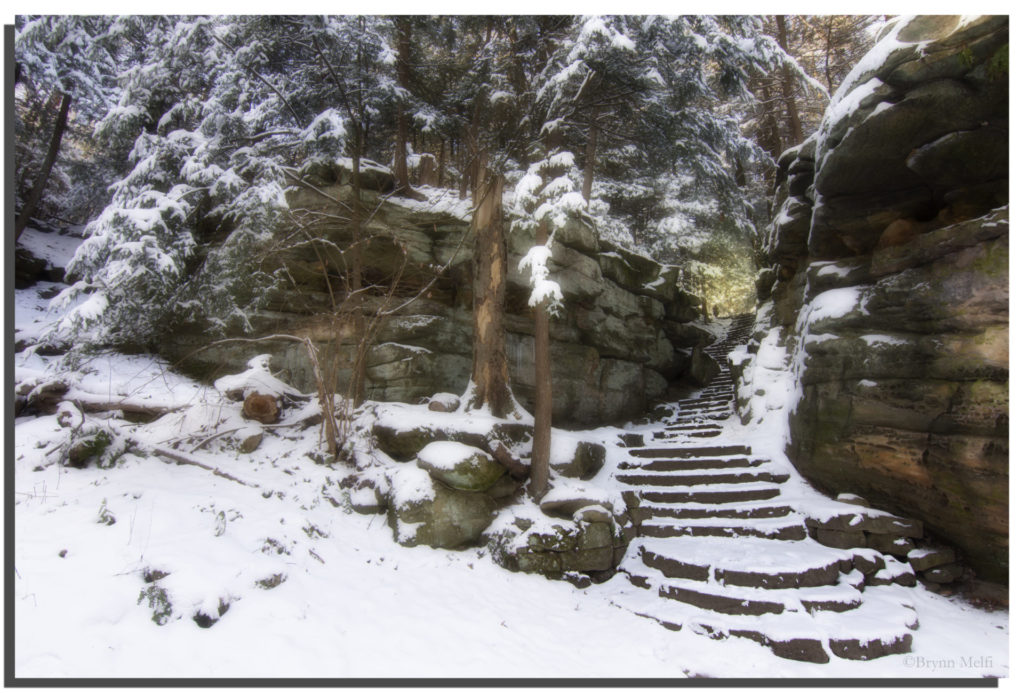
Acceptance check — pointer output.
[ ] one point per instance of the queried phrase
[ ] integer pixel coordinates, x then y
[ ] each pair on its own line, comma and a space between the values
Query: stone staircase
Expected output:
721, 549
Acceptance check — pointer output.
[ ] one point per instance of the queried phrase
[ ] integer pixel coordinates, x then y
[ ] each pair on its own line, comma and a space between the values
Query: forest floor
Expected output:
254, 566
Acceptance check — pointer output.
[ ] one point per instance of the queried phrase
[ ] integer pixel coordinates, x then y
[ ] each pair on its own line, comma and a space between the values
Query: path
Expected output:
723, 552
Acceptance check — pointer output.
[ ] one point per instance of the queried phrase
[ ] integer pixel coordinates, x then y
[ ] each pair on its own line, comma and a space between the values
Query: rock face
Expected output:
893, 295
615, 347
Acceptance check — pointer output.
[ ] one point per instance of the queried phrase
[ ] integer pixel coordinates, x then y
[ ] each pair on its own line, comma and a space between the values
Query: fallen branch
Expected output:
182, 458
96, 407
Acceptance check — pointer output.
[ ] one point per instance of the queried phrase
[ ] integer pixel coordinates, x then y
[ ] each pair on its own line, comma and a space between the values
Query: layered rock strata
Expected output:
624, 335
887, 271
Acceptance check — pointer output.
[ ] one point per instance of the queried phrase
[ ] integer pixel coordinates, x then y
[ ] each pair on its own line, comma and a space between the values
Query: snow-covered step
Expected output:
688, 463
704, 403
714, 493
753, 601
784, 529
700, 478
697, 425
746, 561
651, 451
702, 433
882, 625
724, 510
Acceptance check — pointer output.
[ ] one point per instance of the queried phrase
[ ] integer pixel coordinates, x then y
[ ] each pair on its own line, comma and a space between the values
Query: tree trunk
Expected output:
490, 265
357, 386
403, 28
772, 139
441, 163
44, 171
541, 455
589, 160
788, 92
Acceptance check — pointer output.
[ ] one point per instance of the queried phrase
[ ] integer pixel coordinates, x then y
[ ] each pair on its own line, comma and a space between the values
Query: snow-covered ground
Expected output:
301, 586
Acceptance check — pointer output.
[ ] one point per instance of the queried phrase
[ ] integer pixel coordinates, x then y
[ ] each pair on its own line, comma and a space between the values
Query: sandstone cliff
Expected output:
887, 279
625, 333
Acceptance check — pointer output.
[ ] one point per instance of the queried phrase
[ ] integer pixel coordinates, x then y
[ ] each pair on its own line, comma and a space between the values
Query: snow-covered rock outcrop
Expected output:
887, 287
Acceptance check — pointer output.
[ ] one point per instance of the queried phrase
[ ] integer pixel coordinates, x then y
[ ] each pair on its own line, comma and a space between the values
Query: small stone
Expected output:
444, 402
63, 553
250, 442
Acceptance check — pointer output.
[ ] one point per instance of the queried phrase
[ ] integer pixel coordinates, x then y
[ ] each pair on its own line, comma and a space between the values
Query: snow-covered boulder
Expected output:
575, 458
256, 378
566, 496
459, 465
424, 511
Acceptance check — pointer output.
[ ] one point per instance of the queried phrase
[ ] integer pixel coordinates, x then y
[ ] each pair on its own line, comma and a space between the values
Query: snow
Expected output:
875, 340
438, 201
446, 454
257, 379
312, 589
55, 248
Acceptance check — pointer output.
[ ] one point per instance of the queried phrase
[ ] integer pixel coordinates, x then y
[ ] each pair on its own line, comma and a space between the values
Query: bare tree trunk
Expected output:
541, 454
441, 163
357, 387
590, 159
772, 139
47, 166
788, 92
490, 265
403, 28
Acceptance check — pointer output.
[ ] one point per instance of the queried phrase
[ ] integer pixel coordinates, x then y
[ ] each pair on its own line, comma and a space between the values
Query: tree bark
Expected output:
403, 28
590, 160
541, 454
771, 138
788, 92
490, 378
357, 386
47, 167
441, 163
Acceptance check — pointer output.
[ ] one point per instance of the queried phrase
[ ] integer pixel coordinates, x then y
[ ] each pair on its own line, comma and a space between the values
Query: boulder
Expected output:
925, 558
566, 497
703, 368
459, 466
424, 511
444, 402
578, 459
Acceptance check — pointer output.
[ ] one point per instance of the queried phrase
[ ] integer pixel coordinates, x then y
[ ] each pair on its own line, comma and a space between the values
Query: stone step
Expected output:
724, 493
699, 433
701, 510
692, 463
765, 564
690, 451
787, 530
712, 416
696, 426
882, 625
700, 478
751, 601
704, 403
